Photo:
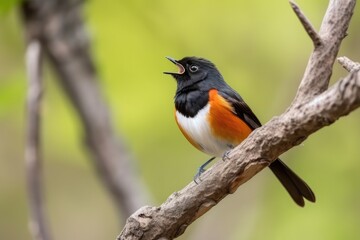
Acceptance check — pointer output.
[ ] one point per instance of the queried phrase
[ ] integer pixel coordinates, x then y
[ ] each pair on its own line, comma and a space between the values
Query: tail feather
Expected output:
295, 186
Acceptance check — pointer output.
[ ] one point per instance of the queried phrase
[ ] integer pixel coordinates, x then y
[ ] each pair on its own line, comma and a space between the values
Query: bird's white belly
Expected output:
198, 129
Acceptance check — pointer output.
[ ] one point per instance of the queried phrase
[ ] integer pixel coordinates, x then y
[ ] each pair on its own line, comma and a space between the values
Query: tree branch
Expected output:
256, 152
314, 107
37, 223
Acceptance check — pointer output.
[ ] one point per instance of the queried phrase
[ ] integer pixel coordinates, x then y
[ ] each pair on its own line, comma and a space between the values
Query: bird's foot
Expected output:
201, 170
226, 155
197, 178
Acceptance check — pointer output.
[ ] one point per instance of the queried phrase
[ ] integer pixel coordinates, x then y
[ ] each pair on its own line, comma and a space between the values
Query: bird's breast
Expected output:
198, 132
215, 128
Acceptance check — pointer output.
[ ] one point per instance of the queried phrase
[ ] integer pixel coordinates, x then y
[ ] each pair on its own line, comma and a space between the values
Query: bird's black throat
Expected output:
190, 101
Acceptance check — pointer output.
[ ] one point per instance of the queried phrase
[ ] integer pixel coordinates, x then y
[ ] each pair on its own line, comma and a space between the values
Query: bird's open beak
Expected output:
181, 67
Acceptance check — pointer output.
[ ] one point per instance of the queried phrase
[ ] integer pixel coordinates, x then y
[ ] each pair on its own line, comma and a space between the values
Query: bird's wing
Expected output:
241, 109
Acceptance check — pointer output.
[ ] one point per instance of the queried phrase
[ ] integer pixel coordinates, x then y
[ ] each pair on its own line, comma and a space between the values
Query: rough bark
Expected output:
315, 106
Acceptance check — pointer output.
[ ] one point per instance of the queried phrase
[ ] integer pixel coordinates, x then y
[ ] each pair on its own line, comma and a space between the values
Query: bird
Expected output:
214, 118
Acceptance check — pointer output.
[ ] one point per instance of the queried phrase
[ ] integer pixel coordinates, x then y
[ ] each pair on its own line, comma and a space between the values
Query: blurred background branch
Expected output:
58, 26
38, 222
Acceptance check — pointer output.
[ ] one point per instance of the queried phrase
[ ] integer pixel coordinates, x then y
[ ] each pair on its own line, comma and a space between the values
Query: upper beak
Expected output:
181, 67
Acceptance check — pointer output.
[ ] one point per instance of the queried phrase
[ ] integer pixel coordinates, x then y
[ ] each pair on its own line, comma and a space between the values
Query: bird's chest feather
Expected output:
215, 128
199, 133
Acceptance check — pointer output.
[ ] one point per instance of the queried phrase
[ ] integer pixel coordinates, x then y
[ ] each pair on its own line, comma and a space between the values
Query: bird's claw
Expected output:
226, 155
201, 170
197, 178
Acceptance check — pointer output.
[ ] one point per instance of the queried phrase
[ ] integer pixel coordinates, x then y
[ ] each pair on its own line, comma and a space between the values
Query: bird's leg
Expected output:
202, 169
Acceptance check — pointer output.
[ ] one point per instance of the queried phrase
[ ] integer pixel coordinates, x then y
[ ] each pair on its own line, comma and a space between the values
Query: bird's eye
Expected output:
194, 68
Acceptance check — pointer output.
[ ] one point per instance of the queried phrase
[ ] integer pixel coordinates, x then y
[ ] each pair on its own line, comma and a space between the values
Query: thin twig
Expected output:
349, 65
315, 37
38, 224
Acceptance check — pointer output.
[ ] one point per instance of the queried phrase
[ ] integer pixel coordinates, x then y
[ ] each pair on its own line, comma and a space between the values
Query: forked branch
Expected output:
319, 68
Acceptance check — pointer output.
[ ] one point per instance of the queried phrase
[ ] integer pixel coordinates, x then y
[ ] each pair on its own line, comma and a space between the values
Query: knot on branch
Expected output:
138, 223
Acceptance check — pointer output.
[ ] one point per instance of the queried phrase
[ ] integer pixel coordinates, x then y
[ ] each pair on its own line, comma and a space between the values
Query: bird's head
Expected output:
194, 71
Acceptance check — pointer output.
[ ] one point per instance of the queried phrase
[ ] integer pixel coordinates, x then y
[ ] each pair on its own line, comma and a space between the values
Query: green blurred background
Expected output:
262, 51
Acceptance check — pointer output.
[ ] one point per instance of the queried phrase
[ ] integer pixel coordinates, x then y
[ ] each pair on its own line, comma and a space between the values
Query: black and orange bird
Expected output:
214, 118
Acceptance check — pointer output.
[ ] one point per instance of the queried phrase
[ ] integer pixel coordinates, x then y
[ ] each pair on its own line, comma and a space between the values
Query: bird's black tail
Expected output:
295, 186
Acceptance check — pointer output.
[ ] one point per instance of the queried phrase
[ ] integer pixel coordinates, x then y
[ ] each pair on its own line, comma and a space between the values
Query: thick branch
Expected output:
262, 147
319, 68
38, 224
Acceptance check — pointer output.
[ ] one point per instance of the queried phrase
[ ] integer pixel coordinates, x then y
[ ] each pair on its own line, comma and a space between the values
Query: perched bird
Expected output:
214, 118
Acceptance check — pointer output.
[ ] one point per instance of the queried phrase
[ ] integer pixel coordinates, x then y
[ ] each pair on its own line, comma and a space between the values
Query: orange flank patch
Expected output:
195, 144
224, 123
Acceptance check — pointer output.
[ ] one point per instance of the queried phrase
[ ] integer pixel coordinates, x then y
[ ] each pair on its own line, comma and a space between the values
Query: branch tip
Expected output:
348, 64
315, 37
